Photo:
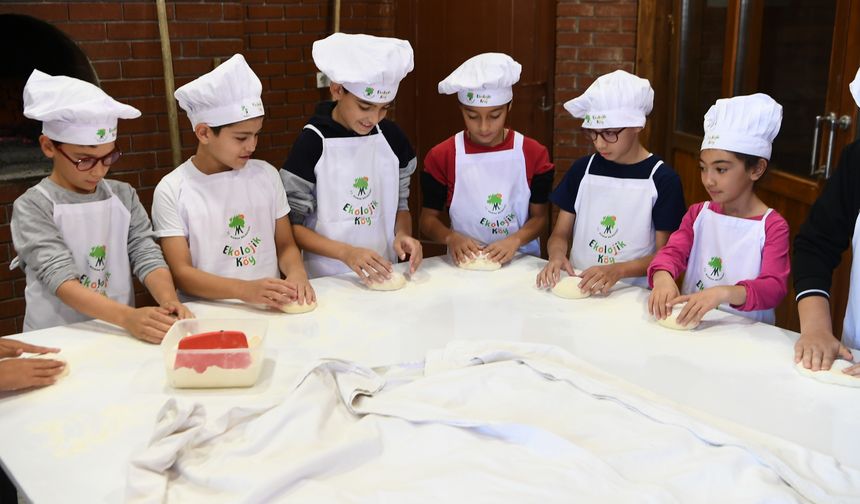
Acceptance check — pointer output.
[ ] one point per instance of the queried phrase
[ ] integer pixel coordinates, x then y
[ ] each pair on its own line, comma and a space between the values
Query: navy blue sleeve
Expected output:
396, 138
564, 195
304, 155
670, 207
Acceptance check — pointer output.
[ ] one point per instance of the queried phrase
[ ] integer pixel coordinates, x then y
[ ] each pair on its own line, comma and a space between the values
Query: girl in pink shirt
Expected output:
734, 249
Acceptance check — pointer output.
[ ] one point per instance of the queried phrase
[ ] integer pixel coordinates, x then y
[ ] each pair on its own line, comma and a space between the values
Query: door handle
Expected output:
843, 123
543, 104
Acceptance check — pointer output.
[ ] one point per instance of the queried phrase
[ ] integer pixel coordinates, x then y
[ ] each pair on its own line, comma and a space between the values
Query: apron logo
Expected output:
608, 228
244, 254
714, 269
360, 188
96, 258
700, 286
237, 227
99, 285
495, 205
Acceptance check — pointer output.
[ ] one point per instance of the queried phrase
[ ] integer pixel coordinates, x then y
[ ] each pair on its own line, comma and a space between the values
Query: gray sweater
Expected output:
40, 245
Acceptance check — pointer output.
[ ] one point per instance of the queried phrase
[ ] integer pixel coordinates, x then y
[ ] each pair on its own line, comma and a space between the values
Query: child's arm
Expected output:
503, 250
147, 324
817, 347
18, 374
290, 261
272, 292
366, 263
557, 247
159, 283
404, 243
460, 246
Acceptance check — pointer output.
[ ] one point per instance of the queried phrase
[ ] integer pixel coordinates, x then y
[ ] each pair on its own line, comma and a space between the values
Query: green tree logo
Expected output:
368, 91
608, 223
470, 96
495, 200
361, 187
98, 253
237, 224
100, 133
716, 265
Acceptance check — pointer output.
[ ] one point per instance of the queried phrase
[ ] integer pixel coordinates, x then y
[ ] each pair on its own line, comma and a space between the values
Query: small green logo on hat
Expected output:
100, 133
470, 96
368, 91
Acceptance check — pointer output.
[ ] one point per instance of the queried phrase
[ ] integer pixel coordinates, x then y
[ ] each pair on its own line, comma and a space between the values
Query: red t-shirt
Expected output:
439, 164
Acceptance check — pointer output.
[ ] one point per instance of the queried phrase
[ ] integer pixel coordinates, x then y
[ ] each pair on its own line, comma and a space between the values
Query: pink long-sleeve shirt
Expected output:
765, 291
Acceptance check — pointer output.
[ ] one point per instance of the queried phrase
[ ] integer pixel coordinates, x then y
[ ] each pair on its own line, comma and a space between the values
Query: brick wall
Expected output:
593, 37
121, 40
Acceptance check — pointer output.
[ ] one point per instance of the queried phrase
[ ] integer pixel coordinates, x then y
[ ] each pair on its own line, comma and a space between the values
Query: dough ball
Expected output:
568, 288
397, 281
295, 307
480, 263
834, 375
672, 320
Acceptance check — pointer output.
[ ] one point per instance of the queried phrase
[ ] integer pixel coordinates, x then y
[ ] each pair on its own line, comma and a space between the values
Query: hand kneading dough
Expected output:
672, 320
568, 288
480, 263
397, 281
52, 356
295, 307
833, 375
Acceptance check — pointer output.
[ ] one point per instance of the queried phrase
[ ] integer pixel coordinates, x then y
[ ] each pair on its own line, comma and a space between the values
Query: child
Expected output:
622, 202
348, 173
494, 182
831, 226
733, 248
16, 374
222, 216
78, 236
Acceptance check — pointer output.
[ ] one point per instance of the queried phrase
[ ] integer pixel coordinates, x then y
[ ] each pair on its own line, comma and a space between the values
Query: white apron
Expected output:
850, 337
725, 251
96, 233
231, 230
613, 220
491, 194
358, 182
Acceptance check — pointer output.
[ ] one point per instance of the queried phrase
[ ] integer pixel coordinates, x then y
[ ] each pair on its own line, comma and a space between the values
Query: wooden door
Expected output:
444, 33
801, 52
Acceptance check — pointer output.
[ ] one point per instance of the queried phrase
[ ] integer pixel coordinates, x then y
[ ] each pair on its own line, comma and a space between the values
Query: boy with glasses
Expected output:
620, 203
78, 236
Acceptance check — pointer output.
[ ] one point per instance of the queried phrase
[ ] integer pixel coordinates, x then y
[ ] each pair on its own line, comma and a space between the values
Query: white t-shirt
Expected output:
167, 210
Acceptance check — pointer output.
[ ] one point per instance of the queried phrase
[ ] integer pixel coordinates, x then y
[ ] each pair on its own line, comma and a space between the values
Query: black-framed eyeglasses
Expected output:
610, 136
89, 162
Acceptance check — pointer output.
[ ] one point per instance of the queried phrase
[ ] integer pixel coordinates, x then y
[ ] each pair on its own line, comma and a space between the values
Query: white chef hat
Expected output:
369, 67
484, 80
855, 87
743, 124
614, 100
228, 94
73, 111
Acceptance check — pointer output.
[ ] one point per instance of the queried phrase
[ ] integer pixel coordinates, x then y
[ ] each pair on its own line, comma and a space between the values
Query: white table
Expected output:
70, 442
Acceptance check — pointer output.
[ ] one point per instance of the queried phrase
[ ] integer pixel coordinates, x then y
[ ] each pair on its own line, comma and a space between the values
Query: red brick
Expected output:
288, 54
265, 12
314, 25
106, 50
600, 53
198, 11
150, 178
8, 327
572, 67
6, 288
263, 41
615, 10
305, 95
598, 24
269, 69
142, 68
128, 87
303, 68
143, 124
293, 82
150, 141
301, 11
574, 39
150, 49
188, 30
143, 11
568, 9
19, 286
226, 30
255, 27
615, 39
10, 191
107, 69
190, 49
224, 48
192, 67
92, 11
301, 39
284, 26
45, 12
131, 178
84, 31
132, 31
233, 11
255, 55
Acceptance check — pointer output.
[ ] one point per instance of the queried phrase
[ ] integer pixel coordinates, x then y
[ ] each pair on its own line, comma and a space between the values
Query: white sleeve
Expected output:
165, 212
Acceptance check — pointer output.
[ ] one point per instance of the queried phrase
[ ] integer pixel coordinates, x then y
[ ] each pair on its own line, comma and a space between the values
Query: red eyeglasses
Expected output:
89, 162
610, 136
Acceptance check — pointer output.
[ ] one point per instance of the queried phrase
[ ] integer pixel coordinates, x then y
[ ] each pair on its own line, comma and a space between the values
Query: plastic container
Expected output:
216, 368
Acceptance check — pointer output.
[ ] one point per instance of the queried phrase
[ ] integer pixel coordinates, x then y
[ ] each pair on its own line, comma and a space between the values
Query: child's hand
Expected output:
14, 348
149, 324
368, 265
272, 292
551, 273
405, 244
304, 292
177, 309
699, 304
853, 370
818, 349
665, 289
599, 279
16, 374
462, 248
502, 251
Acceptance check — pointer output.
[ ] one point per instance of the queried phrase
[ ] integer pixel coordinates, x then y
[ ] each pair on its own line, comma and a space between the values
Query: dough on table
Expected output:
396, 281
833, 375
295, 307
480, 263
568, 288
672, 320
